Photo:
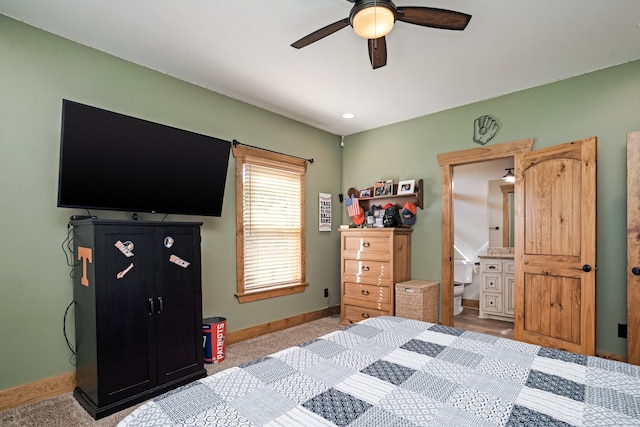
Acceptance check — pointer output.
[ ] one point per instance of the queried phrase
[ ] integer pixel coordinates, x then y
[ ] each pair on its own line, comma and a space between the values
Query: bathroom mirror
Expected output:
500, 214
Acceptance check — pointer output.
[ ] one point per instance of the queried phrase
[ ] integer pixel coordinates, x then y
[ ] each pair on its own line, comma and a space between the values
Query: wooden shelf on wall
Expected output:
417, 197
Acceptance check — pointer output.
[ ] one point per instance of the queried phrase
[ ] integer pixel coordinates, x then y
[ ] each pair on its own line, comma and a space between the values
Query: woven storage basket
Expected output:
418, 299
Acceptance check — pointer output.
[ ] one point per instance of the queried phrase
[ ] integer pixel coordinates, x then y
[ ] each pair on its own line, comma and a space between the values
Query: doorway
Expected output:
555, 240
447, 162
482, 220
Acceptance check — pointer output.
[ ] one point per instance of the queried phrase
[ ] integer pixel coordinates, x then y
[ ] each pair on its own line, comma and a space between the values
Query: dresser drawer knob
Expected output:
364, 292
366, 244
365, 268
365, 315
492, 267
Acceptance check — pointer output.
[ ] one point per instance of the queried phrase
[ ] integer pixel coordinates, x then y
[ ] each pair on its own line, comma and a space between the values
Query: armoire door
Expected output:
126, 326
633, 247
178, 302
555, 247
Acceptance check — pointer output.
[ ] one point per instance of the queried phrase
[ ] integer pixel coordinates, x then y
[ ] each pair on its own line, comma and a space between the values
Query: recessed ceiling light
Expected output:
348, 116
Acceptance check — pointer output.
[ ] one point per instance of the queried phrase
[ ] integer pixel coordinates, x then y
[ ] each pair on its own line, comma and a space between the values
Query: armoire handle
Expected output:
161, 307
152, 307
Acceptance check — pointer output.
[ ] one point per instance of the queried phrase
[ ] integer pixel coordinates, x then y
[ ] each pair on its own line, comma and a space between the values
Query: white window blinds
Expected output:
272, 224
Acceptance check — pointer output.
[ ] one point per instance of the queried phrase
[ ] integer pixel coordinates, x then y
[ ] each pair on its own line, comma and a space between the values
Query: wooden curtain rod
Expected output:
236, 142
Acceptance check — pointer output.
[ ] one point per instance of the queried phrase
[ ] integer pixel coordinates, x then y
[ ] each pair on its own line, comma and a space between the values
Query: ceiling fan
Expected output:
374, 19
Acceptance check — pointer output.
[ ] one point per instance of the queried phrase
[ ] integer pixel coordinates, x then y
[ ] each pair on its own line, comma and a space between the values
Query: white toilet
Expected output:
462, 275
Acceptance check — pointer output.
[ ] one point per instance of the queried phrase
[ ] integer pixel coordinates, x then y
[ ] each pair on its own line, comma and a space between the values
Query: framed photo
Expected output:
383, 188
365, 193
406, 187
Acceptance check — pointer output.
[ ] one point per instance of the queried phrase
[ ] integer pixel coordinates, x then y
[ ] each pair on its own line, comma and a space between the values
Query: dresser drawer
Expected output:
491, 266
367, 293
353, 314
492, 282
366, 271
491, 302
366, 247
509, 267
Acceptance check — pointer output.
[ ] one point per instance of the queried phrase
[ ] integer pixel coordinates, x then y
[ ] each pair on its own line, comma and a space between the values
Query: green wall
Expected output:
37, 71
602, 104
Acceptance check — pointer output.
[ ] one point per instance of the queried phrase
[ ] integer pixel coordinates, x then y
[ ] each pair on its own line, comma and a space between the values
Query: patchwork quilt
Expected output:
389, 371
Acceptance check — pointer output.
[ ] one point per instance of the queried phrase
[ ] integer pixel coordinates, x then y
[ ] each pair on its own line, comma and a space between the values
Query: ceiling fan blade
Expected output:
321, 33
433, 17
378, 52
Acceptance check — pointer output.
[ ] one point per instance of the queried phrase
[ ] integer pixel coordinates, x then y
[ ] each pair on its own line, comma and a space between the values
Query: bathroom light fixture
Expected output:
373, 21
509, 176
348, 116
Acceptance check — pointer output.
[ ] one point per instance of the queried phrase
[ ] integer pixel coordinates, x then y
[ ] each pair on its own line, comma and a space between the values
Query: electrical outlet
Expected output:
326, 292
622, 330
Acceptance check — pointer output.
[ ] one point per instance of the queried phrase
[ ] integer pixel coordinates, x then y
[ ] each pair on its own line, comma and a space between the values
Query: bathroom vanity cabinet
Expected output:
496, 288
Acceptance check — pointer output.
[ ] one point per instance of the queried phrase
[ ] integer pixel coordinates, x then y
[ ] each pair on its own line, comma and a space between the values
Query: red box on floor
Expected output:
214, 331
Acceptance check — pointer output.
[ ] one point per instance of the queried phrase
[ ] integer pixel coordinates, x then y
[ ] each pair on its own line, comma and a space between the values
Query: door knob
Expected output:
635, 271
586, 268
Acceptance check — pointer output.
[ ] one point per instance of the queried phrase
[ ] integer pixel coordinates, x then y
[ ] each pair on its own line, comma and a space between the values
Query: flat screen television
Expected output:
112, 161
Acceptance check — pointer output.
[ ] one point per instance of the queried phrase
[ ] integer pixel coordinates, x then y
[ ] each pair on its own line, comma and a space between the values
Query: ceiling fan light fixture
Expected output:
373, 22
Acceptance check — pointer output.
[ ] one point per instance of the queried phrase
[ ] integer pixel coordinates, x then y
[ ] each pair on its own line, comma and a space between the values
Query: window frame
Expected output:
251, 155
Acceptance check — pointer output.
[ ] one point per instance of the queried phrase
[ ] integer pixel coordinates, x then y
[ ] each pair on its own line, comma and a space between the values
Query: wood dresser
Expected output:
373, 261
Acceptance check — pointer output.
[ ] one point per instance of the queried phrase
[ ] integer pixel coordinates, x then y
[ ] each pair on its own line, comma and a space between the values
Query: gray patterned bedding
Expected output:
389, 371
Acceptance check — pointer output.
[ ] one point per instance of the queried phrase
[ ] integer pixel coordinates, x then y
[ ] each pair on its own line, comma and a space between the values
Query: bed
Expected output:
390, 371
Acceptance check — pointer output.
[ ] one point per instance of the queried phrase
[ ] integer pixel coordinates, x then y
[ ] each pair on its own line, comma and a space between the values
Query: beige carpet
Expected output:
65, 411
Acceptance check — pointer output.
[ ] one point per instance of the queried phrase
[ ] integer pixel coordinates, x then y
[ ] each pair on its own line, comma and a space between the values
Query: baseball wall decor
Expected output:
484, 129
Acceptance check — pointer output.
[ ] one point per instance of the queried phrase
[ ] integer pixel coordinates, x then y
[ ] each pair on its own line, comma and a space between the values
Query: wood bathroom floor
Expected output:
469, 320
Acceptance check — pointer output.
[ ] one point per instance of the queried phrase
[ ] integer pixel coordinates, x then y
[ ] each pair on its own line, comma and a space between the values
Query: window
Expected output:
270, 224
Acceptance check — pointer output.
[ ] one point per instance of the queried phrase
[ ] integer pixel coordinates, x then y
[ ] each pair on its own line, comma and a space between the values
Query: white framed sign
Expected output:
324, 219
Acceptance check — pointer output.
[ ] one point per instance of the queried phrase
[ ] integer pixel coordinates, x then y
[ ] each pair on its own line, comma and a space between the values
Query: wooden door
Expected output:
555, 248
633, 247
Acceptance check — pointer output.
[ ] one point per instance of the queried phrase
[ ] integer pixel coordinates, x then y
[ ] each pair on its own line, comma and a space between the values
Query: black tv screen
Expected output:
116, 162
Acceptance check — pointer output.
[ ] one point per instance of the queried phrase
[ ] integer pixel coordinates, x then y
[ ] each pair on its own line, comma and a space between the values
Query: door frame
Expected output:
633, 247
447, 161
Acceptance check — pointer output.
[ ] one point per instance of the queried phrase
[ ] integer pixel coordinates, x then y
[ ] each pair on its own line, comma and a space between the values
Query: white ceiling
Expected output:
241, 48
